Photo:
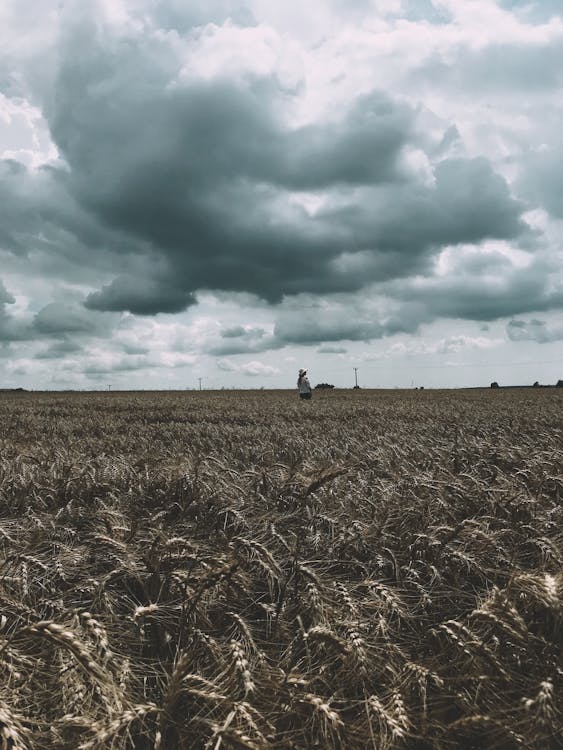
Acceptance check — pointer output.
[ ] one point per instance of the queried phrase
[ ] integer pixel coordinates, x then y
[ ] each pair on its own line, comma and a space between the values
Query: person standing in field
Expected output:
303, 385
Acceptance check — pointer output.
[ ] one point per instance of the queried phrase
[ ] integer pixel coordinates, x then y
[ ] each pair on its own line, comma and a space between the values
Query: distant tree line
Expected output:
537, 384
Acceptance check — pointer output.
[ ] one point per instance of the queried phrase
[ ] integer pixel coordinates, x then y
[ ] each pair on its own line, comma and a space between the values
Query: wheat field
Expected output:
241, 570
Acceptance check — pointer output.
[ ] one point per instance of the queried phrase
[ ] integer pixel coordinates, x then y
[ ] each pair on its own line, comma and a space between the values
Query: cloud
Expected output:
59, 350
478, 283
251, 369
507, 66
333, 174
5, 297
459, 343
44, 228
205, 175
179, 16
57, 319
538, 10
445, 345
328, 349
205, 182
101, 367
234, 333
323, 323
482, 299
244, 340
533, 330
540, 179
483, 284
135, 349
141, 296
314, 320
11, 329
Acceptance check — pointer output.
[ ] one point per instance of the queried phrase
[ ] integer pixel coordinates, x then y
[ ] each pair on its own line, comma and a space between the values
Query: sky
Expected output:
222, 192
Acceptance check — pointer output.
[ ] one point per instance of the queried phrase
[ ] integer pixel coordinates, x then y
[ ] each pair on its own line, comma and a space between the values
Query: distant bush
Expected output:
559, 384
536, 384
495, 384
323, 386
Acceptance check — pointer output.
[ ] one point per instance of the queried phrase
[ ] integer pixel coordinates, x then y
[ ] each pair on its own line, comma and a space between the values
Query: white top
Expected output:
304, 385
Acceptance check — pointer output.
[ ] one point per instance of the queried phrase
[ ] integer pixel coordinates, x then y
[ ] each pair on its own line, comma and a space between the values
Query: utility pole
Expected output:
109, 387
200, 379
356, 376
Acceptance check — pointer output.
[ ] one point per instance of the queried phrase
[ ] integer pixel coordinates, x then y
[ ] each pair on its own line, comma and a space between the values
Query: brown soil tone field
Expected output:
242, 570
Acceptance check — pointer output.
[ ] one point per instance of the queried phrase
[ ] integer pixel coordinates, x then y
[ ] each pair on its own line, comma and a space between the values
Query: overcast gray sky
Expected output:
231, 190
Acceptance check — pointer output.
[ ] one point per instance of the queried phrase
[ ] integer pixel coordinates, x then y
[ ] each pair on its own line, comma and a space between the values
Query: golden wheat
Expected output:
226, 570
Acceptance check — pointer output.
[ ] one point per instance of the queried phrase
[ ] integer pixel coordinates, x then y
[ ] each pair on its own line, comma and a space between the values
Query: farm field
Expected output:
227, 570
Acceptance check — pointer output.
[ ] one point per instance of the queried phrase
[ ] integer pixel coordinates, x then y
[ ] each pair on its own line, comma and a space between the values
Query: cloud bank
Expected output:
377, 170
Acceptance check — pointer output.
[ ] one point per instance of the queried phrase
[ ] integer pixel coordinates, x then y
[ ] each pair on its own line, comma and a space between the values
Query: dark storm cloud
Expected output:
121, 365
241, 340
321, 321
36, 209
141, 296
58, 319
59, 350
5, 297
200, 173
533, 330
68, 322
12, 214
504, 292
469, 202
326, 326
479, 286
177, 185
43, 226
360, 150
10, 328
5, 320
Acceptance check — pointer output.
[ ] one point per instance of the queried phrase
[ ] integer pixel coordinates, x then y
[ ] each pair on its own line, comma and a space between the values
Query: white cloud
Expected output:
24, 134
251, 369
447, 345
